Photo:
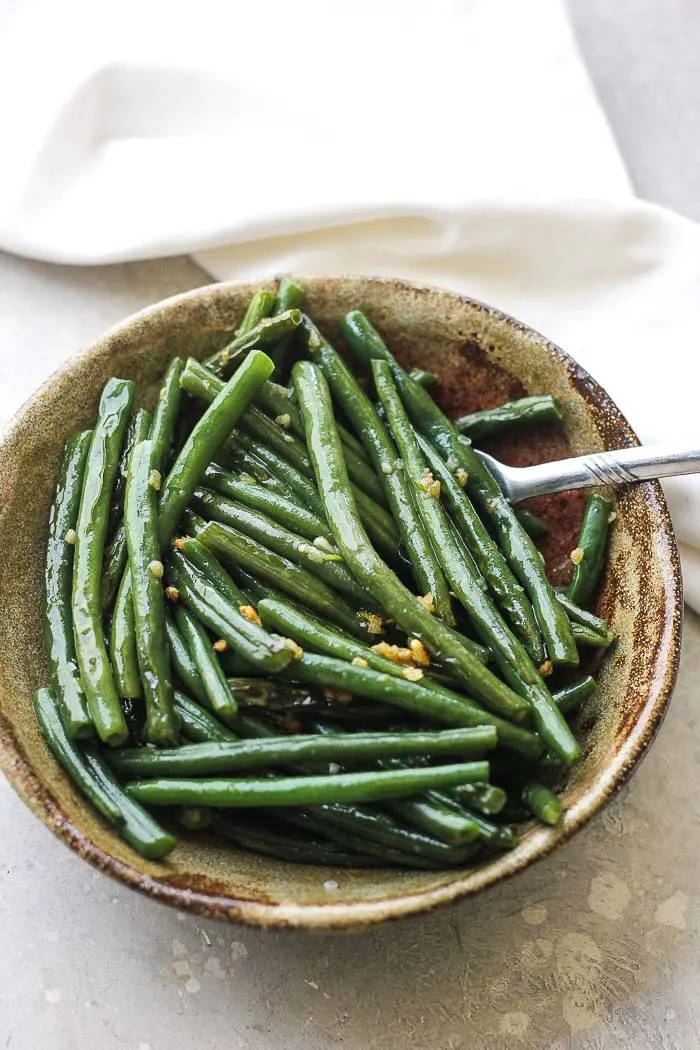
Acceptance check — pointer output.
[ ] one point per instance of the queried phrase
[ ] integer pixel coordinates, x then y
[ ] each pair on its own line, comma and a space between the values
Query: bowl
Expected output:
483, 357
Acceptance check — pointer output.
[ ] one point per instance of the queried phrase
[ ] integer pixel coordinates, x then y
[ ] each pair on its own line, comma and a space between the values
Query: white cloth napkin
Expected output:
457, 142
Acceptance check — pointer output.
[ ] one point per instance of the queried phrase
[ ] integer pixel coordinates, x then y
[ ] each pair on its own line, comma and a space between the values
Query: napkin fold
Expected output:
458, 143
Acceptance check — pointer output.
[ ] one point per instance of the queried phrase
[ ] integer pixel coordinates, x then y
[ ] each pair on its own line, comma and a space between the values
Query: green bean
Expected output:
582, 616
248, 491
113, 566
182, 662
219, 697
233, 547
213, 571
521, 553
380, 827
423, 378
484, 798
206, 759
317, 559
509, 653
541, 802
539, 408
261, 305
425, 701
58, 579
534, 526
275, 697
234, 456
591, 639
361, 558
590, 549
199, 382
298, 486
382, 451
138, 827
91, 530
303, 790
317, 823
276, 401
442, 821
570, 697
493, 567
122, 644
165, 415
309, 631
137, 430
206, 438
281, 844
497, 836
290, 296
199, 725
68, 755
195, 818
225, 620
146, 571
265, 333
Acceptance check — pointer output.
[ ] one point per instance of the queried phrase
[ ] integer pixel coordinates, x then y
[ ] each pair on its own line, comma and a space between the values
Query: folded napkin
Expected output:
457, 142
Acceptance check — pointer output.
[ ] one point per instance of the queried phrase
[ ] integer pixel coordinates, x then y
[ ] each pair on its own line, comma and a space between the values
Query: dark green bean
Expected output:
298, 487
225, 620
91, 530
539, 408
58, 580
199, 725
162, 432
214, 683
233, 547
276, 401
137, 430
303, 790
423, 378
113, 566
582, 616
493, 567
296, 849
146, 571
138, 827
521, 554
195, 818
541, 802
534, 526
122, 643
590, 551
207, 436
434, 704
213, 571
318, 559
290, 296
247, 490
361, 558
484, 798
591, 639
182, 662
267, 332
570, 697
68, 755
442, 821
497, 836
362, 414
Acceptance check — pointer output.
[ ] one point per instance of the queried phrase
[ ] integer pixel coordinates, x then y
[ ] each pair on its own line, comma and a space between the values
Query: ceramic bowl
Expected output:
482, 357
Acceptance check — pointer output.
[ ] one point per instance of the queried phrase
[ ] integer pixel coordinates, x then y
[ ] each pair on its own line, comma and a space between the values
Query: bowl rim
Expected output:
539, 842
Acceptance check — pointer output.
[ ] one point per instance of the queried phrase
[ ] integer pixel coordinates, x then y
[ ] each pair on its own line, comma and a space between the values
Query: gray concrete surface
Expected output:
595, 948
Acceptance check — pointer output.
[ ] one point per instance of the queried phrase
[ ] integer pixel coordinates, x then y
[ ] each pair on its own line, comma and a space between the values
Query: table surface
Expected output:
595, 947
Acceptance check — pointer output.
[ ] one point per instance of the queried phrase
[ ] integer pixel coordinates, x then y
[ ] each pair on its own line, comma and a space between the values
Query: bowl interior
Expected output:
482, 358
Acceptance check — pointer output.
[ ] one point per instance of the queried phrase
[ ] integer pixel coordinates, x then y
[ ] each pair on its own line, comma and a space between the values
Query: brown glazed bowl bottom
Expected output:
482, 357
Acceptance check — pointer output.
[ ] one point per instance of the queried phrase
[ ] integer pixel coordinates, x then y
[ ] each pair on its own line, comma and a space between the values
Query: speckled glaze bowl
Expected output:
482, 357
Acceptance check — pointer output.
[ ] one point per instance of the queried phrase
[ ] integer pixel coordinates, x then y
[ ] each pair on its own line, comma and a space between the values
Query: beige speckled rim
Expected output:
539, 842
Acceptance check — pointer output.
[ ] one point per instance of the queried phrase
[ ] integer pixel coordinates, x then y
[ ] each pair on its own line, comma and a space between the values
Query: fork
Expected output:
623, 467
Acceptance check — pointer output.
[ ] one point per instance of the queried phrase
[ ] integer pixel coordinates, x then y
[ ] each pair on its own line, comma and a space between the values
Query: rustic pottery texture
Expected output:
482, 357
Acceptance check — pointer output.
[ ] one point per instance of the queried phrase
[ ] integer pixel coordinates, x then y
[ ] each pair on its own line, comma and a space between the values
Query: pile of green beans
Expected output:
340, 625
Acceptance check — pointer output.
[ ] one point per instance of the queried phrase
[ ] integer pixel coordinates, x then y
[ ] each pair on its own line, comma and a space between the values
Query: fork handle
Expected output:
622, 467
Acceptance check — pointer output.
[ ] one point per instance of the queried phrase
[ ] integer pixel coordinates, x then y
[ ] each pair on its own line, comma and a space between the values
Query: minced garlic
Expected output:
577, 555
250, 614
418, 652
430, 486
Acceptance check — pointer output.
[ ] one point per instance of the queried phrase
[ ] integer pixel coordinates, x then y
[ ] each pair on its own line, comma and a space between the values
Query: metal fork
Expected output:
623, 467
